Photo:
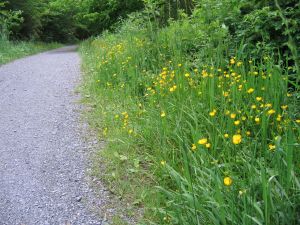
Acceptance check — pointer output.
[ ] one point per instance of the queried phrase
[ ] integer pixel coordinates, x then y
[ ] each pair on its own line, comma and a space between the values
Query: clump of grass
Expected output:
195, 135
13, 50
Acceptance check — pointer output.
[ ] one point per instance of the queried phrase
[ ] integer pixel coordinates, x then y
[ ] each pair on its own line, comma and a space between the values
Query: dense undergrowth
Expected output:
14, 50
198, 130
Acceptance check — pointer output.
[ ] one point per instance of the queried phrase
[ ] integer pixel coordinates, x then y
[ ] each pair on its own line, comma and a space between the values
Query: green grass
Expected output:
13, 50
197, 131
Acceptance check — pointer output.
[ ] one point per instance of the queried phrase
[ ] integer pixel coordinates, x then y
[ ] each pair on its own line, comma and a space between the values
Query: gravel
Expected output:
43, 155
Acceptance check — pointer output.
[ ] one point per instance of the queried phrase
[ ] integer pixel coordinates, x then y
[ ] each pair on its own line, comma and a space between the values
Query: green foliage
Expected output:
9, 21
66, 20
156, 92
13, 50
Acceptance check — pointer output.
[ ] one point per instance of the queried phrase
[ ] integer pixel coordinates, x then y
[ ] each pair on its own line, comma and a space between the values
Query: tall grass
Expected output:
14, 50
197, 131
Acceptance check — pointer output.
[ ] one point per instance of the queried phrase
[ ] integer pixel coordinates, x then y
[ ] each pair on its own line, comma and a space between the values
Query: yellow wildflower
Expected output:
253, 106
284, 107
226, 135
225, 93
237, 122
204, 73
208, 145
213, 113
239, 63
194, 147
232, 61
227, 181
202, 141
250, 90
272, 147
258, 99
162, 114
172, 89
163, 162
232, 115
279, 117
271, 111
248, 133
257, 119
236, 139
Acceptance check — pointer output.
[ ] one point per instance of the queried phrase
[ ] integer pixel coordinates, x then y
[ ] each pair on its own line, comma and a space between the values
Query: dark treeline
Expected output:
253, 22
61, 20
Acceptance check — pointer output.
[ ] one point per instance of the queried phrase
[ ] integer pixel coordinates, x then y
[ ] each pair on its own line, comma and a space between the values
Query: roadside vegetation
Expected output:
197, 101
199, 108
13, 50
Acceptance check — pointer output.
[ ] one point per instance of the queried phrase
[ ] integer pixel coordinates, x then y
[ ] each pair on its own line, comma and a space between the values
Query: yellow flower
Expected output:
204, 73
194, 147
227, 181
213, 113
237, 122
298, 121
187, 75
244, 118
272, 147
226, 135
271, 111
241, 192
232, 115
284, 107
268, 105
163, 163
248, 133
278, 117
179, 65
232, 61
258, 99
162, 114
208, 145
253, 106
257, 119
250, 90
130, 131
239, 63
227, 112
236, 139
172, 89
202, 141
225, 93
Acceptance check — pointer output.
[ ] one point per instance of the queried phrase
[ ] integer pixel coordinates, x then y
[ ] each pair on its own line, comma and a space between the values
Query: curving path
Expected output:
43, 157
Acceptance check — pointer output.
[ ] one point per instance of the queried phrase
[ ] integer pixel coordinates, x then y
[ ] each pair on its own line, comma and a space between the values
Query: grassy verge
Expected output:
13, 50
197, 132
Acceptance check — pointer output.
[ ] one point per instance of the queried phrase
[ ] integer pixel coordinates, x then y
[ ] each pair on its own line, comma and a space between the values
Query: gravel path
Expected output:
43, 156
